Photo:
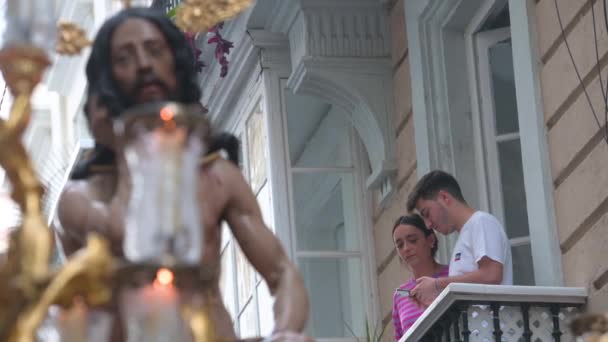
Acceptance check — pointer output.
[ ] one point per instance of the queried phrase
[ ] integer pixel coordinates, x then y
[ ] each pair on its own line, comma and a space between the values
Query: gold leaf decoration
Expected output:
201, 15
71, 39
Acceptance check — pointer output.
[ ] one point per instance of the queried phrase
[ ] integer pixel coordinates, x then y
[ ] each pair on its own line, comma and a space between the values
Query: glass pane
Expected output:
227, 282
523, 271
325, 211
503, 84
513, 192
318, 133
256, 135
247, 321
265, 203
336, 297
266, 315
245, 277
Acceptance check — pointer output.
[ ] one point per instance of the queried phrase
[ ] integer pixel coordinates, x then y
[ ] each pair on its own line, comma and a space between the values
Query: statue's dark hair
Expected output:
99, 66
102, 83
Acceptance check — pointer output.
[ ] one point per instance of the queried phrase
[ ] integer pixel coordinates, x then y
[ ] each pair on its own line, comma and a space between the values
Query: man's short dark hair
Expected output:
429, 186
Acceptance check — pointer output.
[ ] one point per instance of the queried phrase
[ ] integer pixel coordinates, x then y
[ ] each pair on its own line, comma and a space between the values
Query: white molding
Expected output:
546, 254
285, 16
360, 87
278, 160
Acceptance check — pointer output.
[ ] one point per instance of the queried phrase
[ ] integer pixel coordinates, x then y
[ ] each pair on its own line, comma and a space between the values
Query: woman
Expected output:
416, 246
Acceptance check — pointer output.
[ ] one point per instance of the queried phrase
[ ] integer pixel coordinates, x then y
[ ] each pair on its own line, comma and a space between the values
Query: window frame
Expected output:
362, 204
430, 33
489, 137
257, 95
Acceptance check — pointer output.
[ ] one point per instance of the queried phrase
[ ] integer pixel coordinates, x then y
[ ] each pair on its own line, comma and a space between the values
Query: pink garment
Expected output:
405, 311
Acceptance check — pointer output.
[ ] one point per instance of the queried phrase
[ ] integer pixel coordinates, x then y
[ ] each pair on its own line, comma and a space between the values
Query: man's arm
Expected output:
264, 251
428, 288
489, 272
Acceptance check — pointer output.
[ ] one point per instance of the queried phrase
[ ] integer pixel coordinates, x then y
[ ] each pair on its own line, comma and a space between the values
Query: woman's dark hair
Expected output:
415, 220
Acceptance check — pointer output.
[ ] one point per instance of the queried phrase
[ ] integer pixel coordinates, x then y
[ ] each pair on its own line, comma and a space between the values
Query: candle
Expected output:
163, 218
151, 312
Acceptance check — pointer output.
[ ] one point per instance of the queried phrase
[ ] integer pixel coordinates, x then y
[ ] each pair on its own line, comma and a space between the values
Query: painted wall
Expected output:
577, 147
389, 270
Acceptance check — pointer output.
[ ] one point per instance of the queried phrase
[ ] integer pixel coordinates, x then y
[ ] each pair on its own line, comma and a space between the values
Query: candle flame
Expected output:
164, 277
166, 114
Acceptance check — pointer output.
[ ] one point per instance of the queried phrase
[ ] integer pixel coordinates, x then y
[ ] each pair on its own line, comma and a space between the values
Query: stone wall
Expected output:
577, 145
389, 270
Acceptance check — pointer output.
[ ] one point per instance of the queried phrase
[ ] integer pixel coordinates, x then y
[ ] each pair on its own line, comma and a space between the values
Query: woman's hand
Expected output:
425, 291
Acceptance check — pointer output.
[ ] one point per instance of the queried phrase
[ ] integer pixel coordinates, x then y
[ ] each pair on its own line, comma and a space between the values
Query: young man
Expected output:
140, 56
482, 253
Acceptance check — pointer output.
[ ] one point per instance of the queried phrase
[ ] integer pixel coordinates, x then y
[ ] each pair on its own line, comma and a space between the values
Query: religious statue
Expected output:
141, 217
157, 186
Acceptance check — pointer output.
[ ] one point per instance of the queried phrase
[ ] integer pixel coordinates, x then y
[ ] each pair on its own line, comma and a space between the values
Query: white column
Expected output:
546, 254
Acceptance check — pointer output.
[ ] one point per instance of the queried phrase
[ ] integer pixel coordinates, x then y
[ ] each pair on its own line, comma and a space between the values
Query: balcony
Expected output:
472, 312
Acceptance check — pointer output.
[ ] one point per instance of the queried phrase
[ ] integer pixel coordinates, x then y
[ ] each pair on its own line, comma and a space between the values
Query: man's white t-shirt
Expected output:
482, 235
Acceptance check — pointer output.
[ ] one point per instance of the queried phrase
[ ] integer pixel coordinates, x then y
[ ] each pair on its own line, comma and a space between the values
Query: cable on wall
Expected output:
578, 75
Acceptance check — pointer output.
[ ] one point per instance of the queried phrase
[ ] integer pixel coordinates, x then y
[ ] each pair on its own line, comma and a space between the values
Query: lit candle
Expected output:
151, 313
163, 217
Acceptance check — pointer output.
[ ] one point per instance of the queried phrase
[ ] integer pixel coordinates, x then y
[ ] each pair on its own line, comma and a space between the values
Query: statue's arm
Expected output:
265, 252
80, 214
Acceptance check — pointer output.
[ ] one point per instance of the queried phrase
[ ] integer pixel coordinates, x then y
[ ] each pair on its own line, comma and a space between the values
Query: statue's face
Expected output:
143, 65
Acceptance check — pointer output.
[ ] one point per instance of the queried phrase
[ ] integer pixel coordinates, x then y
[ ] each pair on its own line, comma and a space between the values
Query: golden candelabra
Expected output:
28, 285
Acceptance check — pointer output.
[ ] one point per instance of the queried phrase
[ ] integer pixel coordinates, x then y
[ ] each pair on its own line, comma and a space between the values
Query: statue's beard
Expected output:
148, 88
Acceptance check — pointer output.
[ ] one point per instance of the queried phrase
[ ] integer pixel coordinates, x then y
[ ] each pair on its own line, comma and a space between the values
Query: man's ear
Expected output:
444, 197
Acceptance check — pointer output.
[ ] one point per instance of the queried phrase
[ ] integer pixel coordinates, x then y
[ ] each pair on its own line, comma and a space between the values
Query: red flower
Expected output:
222, 48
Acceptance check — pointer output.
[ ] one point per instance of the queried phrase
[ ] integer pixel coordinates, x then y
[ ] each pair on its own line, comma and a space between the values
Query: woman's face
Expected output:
411, 244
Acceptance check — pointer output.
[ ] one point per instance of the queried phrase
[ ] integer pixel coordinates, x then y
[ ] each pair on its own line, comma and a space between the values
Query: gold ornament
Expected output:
201, 15
594, 328
71, 39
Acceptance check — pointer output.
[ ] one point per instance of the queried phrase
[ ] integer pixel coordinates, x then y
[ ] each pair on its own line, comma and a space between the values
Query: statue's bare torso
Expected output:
216, 185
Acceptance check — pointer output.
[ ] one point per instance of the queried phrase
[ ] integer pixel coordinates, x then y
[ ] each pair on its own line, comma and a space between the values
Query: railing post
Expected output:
557, 333
496, 319
446, 330
525, 313
464, 311
456, 326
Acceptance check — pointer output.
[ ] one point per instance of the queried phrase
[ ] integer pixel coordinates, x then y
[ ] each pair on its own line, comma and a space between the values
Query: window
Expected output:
504, 167
327, 216
486, 132
244, 292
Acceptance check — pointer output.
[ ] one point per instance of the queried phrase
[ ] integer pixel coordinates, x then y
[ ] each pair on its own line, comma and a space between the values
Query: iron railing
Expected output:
470, 312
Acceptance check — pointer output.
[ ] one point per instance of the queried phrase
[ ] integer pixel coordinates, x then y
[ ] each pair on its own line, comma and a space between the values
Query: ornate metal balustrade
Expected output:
471, 312
165, 5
